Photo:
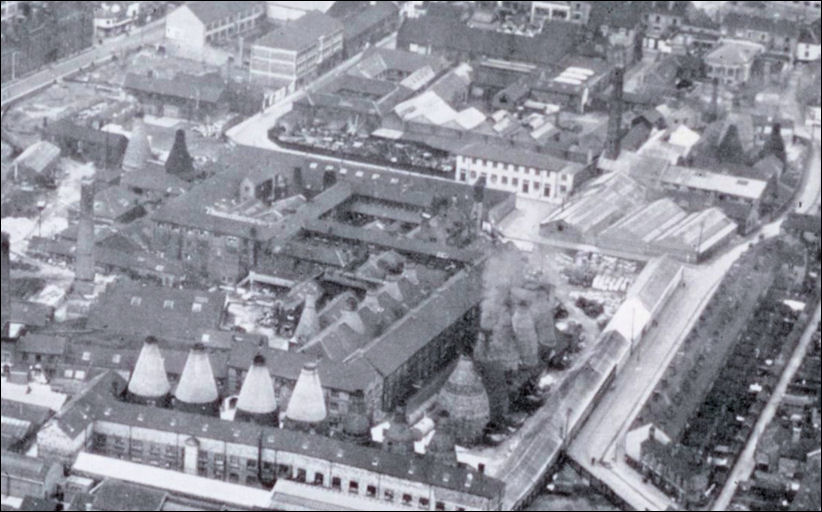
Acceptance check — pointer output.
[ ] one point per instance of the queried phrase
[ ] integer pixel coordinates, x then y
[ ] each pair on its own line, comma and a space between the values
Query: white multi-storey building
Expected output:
193, 26
529, 174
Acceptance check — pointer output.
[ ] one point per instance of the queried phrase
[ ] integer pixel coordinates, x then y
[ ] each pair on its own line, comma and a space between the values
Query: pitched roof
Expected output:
777, 26
504, 154
301, 33
66, 128
184, 86
38, 156
23, 466
115, 202
131, 308
548, 47
118, 495
42, 344
208, 12
362, 21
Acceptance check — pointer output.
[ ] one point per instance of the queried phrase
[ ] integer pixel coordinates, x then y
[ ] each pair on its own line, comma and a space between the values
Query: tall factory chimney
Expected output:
149, 382
257, 402
479, 199
612, 145
84, 264
306, 408
6, 287
714, 99
197, 390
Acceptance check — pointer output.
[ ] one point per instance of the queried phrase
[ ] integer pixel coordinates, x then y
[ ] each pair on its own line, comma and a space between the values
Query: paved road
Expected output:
254, 130
609, 423
149, 34
745, 464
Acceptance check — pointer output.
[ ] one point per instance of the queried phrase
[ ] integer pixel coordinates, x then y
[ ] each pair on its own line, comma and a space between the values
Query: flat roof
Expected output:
715, 182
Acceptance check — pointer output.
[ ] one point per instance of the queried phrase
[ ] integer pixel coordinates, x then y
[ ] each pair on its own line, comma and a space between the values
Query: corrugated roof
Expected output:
38, 156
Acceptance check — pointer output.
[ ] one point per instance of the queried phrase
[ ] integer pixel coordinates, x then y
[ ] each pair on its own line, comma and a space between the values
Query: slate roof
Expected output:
42, 344
132, 308
118, 495
361, 22
286, 365
776, 26
301, 33
208, 12
66, 129
548, 47
187, 87
413, 468
24, 467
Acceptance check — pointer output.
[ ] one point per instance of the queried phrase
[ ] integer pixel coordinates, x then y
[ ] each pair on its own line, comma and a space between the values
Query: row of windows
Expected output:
503, 166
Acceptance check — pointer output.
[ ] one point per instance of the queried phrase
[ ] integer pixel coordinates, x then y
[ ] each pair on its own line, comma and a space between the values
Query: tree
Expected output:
179, 161
730, 148
774, 145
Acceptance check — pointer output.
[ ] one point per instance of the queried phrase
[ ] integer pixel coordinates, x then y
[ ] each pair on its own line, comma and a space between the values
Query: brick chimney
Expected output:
6, 285
84, 264
612, 145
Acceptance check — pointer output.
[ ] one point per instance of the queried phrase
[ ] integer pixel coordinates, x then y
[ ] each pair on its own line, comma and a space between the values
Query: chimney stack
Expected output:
256, 402
398, 437
349, 315
714, 99
525, 334
6, 287
442, 447
149, 383
612, 145
306, 407
356, 425
197, 390
84, 264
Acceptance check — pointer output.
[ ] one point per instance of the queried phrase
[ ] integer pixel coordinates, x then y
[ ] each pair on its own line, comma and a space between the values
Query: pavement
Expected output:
745, 463
151, 33
601, 437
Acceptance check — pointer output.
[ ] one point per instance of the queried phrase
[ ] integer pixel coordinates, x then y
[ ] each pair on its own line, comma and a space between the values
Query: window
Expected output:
439, 506
115, 359
136, 301
301, 475
546, 191
336, 483
424, 503
168, 304
371, 491
318, 478
353, 487
68, 374
196, 307
504, 180
389, 495
80, 374
406, 499
86, 356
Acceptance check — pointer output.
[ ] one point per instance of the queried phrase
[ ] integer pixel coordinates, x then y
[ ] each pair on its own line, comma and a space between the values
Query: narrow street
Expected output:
151, 33
744, 465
